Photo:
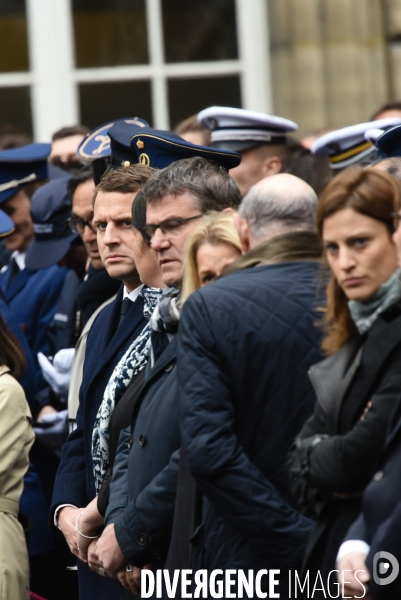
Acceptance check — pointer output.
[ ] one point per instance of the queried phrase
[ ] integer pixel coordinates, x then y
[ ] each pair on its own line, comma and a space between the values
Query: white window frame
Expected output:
54, 80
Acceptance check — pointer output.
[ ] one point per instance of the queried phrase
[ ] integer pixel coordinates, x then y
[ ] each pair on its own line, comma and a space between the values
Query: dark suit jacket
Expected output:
75, 482
345, 461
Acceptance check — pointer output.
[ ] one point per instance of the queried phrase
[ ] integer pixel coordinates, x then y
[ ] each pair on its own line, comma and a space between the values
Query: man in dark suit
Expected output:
117, 325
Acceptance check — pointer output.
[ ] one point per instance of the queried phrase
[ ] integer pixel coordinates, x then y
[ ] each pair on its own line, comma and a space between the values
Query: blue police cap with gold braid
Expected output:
22, 165
159, 149
120, 135
96, 143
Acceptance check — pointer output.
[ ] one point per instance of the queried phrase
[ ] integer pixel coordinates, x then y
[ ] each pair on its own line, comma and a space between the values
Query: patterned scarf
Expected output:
133, 361
167, 313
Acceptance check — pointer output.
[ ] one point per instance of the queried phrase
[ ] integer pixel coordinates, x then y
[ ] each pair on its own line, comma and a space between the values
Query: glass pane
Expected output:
13, 36
198, 31
110, 33
189, 96
15, 110
101, 102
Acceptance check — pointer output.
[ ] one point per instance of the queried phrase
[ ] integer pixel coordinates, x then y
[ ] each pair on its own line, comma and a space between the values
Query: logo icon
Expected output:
385, 568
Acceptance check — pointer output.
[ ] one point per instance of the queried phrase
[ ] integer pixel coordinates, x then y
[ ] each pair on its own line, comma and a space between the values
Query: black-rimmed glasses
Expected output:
78, 225
170, 229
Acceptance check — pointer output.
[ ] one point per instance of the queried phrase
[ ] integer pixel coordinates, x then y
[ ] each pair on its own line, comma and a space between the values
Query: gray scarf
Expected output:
364, 313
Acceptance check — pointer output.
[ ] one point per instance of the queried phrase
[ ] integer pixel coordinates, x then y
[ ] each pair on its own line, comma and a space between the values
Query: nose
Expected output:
110, 236
88, 235
346, 258
159, 242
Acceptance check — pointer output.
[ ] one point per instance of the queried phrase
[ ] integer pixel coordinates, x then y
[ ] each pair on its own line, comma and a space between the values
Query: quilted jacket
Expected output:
246, 344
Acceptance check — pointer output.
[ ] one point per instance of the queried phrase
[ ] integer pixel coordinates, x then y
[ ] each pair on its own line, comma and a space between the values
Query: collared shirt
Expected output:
19, 259
132, 295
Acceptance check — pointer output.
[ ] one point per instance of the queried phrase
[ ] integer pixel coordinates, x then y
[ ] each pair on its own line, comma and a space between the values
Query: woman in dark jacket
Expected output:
359, 383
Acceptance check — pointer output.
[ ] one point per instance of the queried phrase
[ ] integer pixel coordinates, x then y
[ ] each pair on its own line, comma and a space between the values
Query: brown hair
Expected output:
190, 125
126, 180
11, 353
65, 132
372, 193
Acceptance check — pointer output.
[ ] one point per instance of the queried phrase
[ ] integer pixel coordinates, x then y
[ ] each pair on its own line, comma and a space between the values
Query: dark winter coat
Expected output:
338, 467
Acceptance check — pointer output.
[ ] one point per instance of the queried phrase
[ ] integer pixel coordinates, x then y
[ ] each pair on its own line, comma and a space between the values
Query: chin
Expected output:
360, 295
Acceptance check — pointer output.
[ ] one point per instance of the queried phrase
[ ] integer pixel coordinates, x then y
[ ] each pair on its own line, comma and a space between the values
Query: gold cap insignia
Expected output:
140, 144
126, 163
144, 159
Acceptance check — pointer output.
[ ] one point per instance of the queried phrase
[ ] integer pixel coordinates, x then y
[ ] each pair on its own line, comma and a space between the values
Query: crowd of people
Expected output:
200, 348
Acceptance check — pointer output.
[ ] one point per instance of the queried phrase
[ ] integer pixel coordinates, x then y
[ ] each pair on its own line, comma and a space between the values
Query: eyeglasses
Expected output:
78, 225
170, 229
396, 220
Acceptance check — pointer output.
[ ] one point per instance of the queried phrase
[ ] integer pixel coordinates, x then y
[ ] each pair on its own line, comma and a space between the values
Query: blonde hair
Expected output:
216, 228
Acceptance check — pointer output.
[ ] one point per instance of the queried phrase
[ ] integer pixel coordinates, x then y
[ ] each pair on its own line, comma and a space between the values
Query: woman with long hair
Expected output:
358, 385
211, 247
16, 438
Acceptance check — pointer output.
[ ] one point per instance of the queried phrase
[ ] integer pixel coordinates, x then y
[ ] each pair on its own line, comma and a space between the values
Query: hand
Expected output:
109, 552
347, 567
46, 410
56, 376
54, 436
93, 559
131, 580
66, 521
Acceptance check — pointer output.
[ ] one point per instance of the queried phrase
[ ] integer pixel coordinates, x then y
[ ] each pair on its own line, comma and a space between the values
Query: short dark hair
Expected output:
395, 105
139, 212
84, 175
207, 182
65, 132
126, 180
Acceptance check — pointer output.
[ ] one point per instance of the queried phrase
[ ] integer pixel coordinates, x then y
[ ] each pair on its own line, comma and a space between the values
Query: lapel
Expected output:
382, 339
165, 363
115, 340
18, 283
168, 357
332, 376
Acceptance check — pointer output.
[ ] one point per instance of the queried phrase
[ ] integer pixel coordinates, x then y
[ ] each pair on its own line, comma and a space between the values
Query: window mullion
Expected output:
54, 93
156, 58
254, 54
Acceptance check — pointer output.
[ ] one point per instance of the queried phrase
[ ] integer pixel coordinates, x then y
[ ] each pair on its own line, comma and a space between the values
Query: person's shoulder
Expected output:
10, 388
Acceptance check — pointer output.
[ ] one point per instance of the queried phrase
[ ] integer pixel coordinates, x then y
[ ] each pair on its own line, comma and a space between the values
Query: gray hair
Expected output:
209, 184
279, 204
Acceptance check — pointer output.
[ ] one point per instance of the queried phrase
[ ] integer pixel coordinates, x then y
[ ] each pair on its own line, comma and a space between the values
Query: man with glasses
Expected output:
146, 466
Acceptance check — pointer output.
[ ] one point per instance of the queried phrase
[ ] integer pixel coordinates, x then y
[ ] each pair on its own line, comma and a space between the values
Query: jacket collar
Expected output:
296, 246
332, 377
4, 369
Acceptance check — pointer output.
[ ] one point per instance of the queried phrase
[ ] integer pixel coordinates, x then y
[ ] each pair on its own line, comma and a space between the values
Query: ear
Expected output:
243, 231
271, 166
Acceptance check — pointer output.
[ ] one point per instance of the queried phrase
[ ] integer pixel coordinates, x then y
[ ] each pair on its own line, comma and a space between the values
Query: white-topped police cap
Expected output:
239, 130
96, 144
352, 145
